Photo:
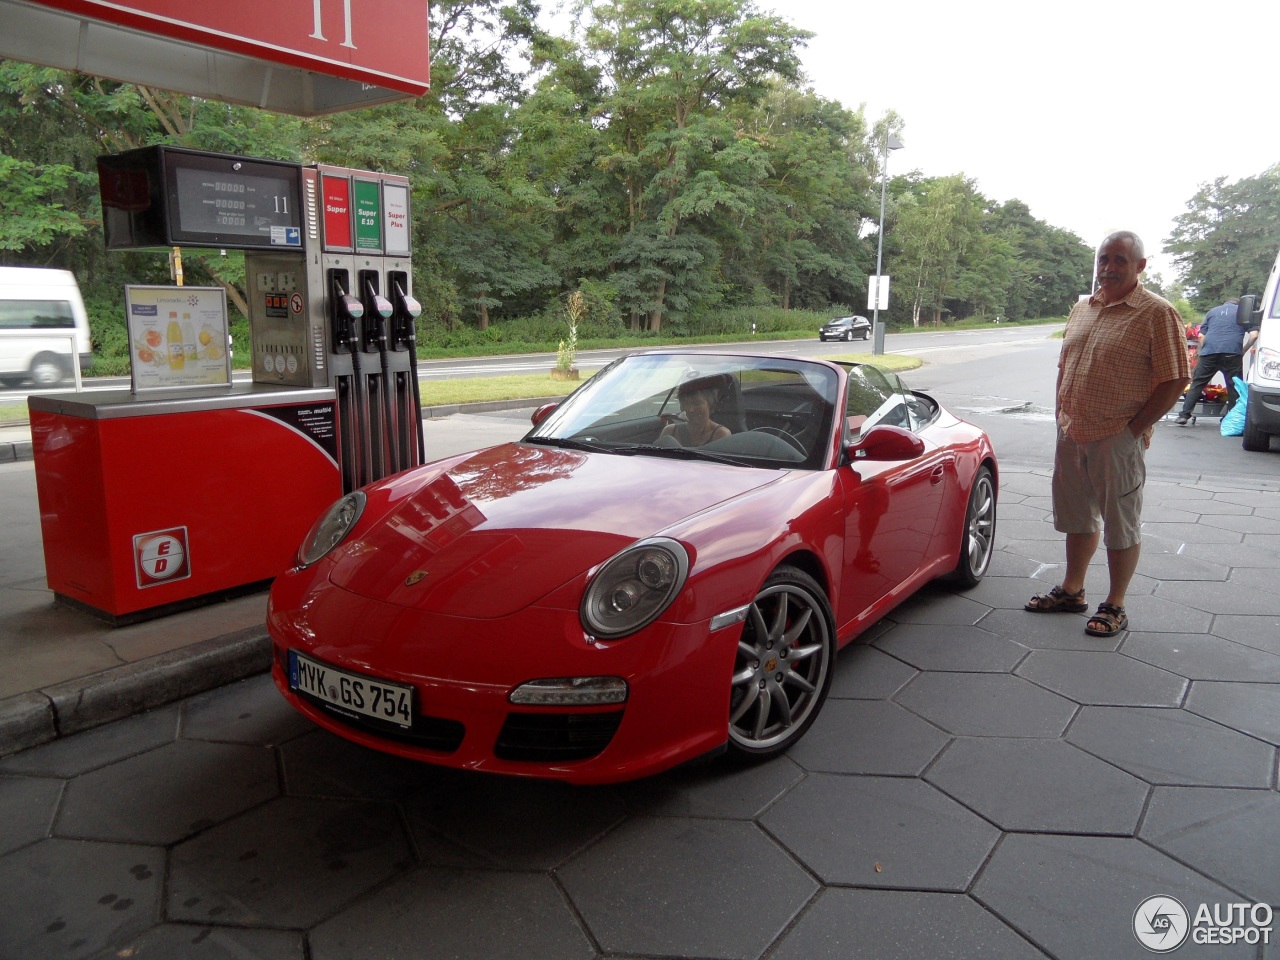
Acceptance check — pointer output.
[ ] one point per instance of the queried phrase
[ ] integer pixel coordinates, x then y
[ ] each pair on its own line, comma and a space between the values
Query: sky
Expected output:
1098, 116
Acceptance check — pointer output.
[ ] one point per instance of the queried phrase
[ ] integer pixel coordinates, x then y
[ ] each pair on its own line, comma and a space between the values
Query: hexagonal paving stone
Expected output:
1009, 593
1203, 657
471, 915
1045, 631
1252, 708
686, 888
969, 649
868, 736
724, 789
1076, 896
1166, 746
863, 672
74, 898
82, 752
193, 942
249, 711
1222, 597
1261, 633
509, 822
987, 705
938, 606
900, 925
28, 804
168, 793
1040, 785
288, 863
1191, 533
322, 764
1100, 677
1163, 614
1180, 567
1230, 835
881, 832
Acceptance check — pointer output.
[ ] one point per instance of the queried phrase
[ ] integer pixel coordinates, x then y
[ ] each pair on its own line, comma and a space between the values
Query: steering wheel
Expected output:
779, 432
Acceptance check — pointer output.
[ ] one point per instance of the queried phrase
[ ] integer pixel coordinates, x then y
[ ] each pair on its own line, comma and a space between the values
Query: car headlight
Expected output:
332, 528
1269, 363
633, 588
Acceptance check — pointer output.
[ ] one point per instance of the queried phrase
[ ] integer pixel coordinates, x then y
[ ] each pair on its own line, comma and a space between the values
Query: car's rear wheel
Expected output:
865, 334
783, 668
977, 543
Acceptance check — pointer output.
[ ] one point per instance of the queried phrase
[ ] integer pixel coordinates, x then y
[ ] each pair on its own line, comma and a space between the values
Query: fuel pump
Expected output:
404, 336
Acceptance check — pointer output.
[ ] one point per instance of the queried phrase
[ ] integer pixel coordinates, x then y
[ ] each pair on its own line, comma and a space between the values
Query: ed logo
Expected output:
161, 556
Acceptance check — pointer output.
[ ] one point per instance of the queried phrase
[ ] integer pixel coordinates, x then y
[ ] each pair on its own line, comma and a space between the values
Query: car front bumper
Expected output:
463, 672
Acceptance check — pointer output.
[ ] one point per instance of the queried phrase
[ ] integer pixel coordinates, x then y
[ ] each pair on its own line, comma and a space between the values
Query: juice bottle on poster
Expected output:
188, 338
177, 352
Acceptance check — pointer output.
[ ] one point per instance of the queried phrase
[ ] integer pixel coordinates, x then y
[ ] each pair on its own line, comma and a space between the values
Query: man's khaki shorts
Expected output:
1098, 485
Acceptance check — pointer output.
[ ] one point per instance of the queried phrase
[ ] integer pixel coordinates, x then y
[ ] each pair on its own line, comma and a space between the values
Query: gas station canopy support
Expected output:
299, 58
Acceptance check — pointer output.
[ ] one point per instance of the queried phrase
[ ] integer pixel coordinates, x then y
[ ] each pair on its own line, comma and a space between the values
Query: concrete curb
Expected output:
30, 719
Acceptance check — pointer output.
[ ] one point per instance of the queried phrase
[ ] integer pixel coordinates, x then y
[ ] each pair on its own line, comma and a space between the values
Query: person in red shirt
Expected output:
1123, 365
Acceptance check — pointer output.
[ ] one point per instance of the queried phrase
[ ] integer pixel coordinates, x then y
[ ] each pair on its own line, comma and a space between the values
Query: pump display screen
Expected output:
164, 196
228, 203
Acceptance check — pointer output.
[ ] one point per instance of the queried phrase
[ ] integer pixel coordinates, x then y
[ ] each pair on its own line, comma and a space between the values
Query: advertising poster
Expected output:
177, 337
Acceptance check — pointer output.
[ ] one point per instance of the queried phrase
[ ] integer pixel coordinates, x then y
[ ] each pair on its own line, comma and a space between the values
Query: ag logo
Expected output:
1161, 924
161, 556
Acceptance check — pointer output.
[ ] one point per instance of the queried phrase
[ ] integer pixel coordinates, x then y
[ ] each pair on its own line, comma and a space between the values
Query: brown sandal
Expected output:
1058, 600
1111, 618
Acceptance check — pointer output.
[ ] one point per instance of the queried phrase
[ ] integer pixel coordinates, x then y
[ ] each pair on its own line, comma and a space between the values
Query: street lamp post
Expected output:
890, 143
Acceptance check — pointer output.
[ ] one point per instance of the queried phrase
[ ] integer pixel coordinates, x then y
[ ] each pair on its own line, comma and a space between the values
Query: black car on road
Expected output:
846, 328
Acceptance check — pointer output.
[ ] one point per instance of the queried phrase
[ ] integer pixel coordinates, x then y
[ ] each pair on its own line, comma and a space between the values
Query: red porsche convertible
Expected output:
663, 568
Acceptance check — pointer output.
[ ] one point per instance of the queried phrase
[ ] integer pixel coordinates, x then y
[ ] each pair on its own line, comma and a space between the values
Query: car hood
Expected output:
504, 527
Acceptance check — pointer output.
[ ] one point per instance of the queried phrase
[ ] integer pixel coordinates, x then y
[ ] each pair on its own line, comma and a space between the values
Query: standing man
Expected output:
1123, 365
1221, 346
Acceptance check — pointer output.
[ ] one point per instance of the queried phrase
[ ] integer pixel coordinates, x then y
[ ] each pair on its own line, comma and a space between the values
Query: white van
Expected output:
1262, 365
43, 326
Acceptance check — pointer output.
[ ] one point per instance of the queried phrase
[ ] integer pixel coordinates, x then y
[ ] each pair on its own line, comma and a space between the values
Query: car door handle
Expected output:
935, 478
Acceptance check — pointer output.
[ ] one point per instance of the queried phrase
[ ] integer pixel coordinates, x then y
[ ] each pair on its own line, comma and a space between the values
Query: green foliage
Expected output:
1225, 243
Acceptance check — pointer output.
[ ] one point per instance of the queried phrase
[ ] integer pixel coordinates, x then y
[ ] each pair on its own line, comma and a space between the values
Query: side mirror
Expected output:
542, 413
1249, 314
885, 443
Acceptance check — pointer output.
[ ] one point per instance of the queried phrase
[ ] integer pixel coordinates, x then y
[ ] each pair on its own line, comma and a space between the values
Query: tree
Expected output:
938, 231
1225, 243
675, 77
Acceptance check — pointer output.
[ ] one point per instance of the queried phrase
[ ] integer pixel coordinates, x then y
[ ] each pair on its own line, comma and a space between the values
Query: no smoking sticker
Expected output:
161, 556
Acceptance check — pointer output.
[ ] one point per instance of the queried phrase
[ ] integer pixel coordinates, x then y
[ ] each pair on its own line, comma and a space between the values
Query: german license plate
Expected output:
353, 692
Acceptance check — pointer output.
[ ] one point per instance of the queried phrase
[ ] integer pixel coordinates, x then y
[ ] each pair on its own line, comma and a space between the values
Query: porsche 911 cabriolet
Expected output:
661, 570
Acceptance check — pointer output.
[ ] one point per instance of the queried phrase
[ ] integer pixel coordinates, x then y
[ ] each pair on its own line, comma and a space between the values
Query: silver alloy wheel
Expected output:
979, 530
783, 668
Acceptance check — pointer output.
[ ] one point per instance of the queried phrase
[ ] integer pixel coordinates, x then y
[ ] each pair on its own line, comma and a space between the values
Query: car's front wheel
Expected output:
783, 668
1254, 439
848, 336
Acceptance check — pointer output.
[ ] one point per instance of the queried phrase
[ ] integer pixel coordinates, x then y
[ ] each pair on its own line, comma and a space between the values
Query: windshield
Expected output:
754, 411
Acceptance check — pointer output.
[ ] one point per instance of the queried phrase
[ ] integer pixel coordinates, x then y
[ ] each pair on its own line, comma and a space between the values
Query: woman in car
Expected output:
697, 403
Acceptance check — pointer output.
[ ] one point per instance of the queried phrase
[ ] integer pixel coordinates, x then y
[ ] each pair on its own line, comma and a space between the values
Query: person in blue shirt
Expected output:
1221, 346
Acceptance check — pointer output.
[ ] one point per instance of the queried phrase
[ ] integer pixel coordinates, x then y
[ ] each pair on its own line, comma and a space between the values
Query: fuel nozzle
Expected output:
408, 309
349, 310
